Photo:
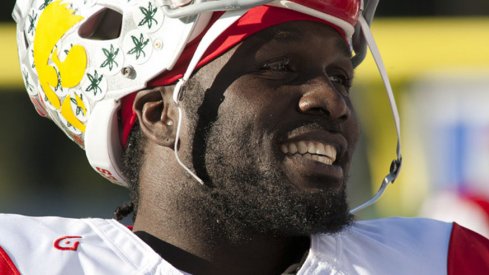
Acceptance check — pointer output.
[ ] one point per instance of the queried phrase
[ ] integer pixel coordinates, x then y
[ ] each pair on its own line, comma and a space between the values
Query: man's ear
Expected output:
157, 115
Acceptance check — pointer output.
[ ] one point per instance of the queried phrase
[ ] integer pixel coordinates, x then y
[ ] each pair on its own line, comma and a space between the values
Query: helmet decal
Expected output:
44, 4
149, 18
74, 112
94, 84
138, 47
32, 22
113, 59
54, 73
28, 82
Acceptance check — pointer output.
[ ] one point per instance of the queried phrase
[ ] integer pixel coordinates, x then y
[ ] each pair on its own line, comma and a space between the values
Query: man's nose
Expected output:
320, 97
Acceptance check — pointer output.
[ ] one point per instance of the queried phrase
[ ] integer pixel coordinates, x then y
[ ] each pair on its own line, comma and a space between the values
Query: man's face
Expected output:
276, 132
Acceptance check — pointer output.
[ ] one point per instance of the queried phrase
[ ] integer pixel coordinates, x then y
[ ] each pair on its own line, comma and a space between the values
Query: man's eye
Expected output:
282, 65
340, 79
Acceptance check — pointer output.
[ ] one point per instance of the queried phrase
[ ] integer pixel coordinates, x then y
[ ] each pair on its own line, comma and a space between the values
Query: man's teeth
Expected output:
317, 151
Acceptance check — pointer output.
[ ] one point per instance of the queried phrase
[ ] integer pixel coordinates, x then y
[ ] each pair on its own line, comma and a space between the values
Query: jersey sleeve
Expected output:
468, 252
7, 266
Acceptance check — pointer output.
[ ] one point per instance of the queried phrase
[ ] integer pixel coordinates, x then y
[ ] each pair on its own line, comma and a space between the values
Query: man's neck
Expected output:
191, 246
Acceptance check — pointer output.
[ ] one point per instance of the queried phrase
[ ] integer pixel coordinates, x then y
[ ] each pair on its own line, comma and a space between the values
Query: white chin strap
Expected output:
227, 20
396, 164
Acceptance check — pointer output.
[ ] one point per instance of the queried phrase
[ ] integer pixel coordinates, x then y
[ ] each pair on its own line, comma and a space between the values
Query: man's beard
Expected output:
248, 194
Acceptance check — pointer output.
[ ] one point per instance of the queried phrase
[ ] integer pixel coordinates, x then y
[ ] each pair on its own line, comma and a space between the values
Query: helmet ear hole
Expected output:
104, 25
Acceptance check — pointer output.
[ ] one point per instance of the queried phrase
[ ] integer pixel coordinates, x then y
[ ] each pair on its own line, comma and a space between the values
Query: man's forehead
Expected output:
301, 32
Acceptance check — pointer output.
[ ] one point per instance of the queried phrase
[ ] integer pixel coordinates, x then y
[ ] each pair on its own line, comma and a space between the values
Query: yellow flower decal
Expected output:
54, 22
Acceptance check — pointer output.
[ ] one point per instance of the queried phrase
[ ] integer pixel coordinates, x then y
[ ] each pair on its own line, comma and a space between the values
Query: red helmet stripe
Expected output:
346, 10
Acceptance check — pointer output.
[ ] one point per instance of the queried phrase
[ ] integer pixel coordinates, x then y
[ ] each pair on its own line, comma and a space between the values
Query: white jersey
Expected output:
54, 245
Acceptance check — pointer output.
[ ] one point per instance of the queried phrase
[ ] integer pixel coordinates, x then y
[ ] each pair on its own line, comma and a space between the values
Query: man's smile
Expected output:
314, 150
314, 156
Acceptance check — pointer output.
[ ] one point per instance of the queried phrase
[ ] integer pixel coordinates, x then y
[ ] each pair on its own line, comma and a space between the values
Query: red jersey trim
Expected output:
7, 267
468, 252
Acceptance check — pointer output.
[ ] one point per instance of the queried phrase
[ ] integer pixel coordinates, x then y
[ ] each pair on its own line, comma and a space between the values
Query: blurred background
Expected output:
437, 56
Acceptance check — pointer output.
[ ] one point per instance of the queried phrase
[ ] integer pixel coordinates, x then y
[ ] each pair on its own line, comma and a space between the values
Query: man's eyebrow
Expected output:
295, 34
288, 35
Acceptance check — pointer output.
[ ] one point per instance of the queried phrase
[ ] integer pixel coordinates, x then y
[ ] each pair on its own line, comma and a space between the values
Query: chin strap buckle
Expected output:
178, 90
395, 169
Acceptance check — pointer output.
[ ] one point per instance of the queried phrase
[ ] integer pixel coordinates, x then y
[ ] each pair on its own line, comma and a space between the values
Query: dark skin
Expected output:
290, 83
